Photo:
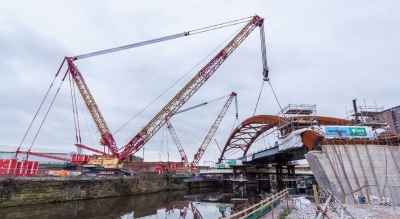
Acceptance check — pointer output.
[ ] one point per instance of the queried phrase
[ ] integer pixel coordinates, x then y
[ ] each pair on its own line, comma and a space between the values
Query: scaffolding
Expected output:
366, 116
297, 116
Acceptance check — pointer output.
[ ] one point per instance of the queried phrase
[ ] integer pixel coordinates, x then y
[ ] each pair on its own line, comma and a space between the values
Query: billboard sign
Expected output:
347, 131
232, 162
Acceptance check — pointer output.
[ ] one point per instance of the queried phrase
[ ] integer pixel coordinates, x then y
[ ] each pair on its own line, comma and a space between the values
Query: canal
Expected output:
207, 202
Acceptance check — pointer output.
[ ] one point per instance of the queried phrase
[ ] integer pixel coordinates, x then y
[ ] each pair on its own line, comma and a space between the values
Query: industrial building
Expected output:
8, 152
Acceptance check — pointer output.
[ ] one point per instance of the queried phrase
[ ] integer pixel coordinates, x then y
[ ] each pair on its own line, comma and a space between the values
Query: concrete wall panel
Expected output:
346, 168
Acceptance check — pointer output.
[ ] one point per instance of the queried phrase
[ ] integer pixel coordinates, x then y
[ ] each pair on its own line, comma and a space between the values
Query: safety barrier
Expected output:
13, 167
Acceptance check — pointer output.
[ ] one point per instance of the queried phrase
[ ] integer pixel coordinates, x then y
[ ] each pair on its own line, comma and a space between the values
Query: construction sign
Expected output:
347, 131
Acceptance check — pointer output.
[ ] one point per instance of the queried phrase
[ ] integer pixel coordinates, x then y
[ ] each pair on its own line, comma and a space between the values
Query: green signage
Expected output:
358, 131
232, 162
221, 165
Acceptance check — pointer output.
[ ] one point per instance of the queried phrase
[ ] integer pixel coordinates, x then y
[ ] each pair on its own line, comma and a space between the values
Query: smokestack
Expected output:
355, 110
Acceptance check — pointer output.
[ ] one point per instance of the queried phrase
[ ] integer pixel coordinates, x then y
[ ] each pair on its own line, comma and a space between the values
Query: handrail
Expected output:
259, 206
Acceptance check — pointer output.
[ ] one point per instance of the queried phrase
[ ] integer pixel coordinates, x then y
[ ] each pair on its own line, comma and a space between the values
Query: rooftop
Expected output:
10, 149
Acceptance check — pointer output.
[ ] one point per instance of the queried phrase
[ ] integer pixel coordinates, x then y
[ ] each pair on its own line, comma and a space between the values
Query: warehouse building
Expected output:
8, 152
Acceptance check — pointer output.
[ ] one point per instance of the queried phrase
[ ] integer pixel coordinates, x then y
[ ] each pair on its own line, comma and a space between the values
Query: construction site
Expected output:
317, 166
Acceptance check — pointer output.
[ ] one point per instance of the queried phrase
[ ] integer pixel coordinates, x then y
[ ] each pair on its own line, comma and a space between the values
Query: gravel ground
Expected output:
359, 211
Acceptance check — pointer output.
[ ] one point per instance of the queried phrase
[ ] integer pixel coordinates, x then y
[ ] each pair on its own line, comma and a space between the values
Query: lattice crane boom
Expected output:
212, 131
106, 137
178, 143
137, 142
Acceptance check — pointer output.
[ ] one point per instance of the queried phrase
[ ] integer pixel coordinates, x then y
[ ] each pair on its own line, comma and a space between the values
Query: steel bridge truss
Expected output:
250, 130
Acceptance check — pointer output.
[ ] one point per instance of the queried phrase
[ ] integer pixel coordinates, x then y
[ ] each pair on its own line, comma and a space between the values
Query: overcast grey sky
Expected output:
319, 52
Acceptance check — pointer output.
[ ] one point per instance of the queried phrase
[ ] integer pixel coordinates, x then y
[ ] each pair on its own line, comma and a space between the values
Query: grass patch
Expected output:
284, 214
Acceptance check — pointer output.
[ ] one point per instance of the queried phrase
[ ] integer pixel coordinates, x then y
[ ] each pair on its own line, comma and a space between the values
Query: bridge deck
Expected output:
273, 155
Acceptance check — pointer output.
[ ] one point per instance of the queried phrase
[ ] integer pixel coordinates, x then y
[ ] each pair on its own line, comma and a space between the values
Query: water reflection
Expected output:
195, 203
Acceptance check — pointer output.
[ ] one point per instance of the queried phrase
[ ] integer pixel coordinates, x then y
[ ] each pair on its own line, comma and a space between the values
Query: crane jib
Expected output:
130, 46
161, 39
199, 79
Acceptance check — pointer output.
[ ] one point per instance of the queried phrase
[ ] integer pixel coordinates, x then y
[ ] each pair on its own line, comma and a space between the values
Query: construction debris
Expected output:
357, 211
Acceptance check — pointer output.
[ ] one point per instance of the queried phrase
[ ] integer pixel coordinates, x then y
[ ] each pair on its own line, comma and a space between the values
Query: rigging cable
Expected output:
202, 104
166, 137
196, 30
259, 95
41, 104
176, 82
157, 40
234, 125
87, 125
73, 107
161, 145
237, 114
275, 95
219, 27
77, 114
232, 153
51, 104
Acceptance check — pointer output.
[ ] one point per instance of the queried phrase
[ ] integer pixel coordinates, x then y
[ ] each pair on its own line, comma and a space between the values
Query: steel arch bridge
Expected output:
250, 129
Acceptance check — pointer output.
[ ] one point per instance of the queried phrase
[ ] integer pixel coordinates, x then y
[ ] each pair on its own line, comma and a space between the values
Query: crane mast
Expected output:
137, 142
106, 137
212, 131
178, 143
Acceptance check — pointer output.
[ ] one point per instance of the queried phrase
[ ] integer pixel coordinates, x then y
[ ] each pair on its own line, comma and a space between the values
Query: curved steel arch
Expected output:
250, 129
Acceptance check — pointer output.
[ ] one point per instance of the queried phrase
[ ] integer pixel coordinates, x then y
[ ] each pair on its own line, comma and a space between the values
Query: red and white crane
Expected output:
210, 134
178, 143
138, 141
148, 131
207, 139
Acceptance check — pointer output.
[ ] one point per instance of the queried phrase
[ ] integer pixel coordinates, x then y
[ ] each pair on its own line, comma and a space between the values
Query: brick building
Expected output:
392, 117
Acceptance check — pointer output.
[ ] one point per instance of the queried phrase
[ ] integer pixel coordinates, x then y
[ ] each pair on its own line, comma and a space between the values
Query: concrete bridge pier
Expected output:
239, 179
285, 176
264, 185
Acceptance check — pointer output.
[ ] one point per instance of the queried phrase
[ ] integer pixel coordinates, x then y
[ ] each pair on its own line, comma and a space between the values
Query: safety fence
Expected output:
13, 167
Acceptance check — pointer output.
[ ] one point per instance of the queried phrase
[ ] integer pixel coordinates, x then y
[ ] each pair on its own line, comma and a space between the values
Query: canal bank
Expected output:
208, 202
29, 191
116, 207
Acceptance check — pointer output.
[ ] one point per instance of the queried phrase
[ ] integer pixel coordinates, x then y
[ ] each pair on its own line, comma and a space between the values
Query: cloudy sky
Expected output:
319, 52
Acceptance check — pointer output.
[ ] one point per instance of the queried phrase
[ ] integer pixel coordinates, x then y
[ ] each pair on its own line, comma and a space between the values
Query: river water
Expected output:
207, 202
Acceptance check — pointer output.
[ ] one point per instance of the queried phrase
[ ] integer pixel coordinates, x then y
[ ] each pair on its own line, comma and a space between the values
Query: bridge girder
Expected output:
250, 129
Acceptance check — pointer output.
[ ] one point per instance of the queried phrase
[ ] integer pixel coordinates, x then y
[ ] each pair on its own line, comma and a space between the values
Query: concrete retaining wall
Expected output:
346, 168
